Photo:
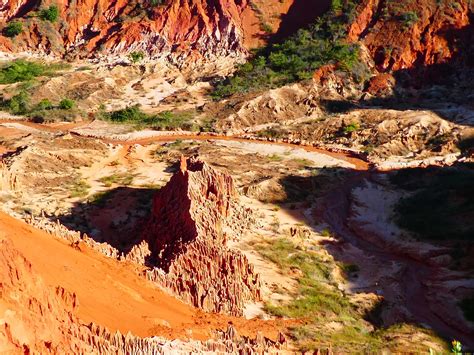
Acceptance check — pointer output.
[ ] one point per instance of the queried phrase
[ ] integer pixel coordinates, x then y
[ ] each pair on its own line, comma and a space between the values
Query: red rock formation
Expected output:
217, 27
193, 217
405, 34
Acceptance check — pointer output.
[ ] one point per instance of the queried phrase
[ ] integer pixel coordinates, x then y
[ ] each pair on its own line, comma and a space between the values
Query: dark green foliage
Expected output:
18, 104
50, 14
66, 104
161, 121
44, 104
297, 57
13, 29
23, 70
136, 57
155, 3
442, 205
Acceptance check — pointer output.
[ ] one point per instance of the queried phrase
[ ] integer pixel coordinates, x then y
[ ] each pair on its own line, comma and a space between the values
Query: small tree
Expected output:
13, 29
18, 104
50, 14
67, 104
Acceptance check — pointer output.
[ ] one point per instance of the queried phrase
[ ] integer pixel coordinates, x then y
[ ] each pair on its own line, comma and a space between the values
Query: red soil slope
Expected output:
110, 293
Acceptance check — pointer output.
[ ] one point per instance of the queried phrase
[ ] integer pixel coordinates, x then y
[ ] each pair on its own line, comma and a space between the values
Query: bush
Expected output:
163, 120
352, 127
18, 104
67, 104
136, 57
297, 57
442, 202
23, 70
44, 104
50, 14
13, 29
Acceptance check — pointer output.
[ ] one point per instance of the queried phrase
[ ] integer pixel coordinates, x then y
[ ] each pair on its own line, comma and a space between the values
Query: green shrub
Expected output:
136, 57
50, 14
44, 104
352, 127
18, 104
297, 57
13, 29
441, 203
24, 70
67, 104
162, 121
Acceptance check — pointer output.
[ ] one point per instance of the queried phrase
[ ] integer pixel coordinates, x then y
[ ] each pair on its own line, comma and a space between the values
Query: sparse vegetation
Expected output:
50, 14
274, 157
318, 302
408, 19
298, 57
80, 188
136, 57
23, 70
124, 179
13, 29
351, 127
162, 121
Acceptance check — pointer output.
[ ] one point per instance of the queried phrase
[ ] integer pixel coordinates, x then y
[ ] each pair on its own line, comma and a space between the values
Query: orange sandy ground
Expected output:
112, 294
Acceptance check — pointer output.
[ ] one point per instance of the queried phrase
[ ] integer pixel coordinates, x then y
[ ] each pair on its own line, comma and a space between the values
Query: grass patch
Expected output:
329, 319
99, 198
119, 179
23, 70
352, 127
80, 188
317, 301
274, 157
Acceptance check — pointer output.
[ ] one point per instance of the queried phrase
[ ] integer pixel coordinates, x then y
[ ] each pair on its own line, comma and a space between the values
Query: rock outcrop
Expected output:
406, 34
193, 217
94, 27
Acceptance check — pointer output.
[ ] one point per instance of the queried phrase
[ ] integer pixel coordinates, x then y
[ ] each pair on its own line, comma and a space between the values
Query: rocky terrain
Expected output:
236, 176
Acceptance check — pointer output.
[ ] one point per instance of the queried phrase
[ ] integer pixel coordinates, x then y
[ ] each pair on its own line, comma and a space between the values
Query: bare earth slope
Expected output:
109, 294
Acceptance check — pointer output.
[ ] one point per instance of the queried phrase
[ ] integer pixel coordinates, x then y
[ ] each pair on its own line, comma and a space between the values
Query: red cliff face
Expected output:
193, 217
120, 26
406, 34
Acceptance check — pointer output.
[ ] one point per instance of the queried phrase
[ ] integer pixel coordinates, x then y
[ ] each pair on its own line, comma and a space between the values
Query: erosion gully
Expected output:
336, 213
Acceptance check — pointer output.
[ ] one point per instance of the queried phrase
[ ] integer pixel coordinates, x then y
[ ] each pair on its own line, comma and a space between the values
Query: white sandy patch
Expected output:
372, 212
20, 127
318, 159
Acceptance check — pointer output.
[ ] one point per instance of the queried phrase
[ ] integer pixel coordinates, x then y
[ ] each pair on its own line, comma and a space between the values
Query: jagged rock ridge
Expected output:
193, 217
117, 27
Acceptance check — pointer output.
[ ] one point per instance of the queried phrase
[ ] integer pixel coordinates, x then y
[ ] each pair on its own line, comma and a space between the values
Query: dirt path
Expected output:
411, 280
347, 156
